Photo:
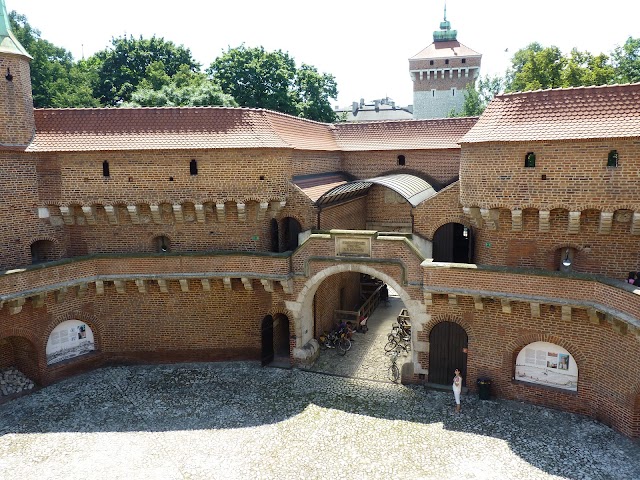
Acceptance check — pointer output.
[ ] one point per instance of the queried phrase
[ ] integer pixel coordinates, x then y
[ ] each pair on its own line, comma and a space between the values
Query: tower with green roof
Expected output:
17, 125
441, 73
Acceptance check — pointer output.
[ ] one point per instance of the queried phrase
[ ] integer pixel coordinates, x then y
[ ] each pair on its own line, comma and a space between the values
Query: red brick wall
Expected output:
328, 299
386, 206
439, 210
351, 215
495, 339
307, 162
612, 255
577, 176
17, 125
7, 358
441, 165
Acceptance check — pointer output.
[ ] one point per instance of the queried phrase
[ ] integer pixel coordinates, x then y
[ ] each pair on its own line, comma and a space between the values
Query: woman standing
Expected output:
457, 388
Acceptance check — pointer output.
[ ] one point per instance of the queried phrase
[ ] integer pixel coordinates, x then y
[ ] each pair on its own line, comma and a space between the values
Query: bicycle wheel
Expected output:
347, 344
390, 346
341, 347
394, 372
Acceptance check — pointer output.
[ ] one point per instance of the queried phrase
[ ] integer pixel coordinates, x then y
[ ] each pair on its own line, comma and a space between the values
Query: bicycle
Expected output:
337, 340
394, 370
398, 339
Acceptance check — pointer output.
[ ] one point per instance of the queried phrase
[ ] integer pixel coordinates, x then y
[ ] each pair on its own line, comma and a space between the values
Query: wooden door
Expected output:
447, 351
267, 340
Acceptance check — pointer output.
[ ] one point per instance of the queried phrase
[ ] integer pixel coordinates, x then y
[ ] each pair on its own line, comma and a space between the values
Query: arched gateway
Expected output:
302, 308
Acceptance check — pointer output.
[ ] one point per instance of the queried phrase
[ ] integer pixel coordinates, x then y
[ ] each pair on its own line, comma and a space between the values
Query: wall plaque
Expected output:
353, 247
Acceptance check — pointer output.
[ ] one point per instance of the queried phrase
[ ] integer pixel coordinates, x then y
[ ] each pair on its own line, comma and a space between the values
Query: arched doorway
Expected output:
453, 242
43, 251
275, 236
292, 229
267, 340
281, 337
21, 353
448, 343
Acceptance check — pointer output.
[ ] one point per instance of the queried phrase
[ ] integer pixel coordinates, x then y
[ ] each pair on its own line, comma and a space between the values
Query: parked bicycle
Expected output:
394, 370
398, 339
337, 340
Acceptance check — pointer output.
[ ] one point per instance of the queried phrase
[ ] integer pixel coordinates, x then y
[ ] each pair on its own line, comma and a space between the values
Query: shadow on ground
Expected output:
240, 395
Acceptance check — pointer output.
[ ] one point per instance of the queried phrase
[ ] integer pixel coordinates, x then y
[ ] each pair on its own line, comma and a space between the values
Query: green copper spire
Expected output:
8, 42
445, 34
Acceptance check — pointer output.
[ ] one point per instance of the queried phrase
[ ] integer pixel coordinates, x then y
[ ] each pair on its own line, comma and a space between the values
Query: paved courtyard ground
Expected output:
242, 421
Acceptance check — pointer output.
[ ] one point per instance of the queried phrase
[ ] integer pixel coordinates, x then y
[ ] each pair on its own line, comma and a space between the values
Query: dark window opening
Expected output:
612, 159
453, 92
105, 169
464, 60
193, 167
446, 62
292, 229
433, 93
162, 244
530, 160
401, 160
430, 62
42, 251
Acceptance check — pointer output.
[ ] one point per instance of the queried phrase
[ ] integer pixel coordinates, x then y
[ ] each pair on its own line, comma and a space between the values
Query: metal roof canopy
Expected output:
413, 189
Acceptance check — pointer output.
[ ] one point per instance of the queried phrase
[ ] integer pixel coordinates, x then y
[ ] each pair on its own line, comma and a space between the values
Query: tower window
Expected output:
430, 62
612, 159
193, 167
105, 169
453, 92
464, 60
162, 244
446, 62
401, 160
530, 160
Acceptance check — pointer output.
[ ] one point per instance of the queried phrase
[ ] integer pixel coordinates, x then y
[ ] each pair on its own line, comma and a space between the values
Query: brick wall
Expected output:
439, 210
441, 165
612, 255
335, 289
7, 358
307, 162
17, 125
577, 176
603, 356
350, 215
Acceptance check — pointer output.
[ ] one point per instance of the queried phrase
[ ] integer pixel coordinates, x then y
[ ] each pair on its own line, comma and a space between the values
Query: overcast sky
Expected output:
364, 44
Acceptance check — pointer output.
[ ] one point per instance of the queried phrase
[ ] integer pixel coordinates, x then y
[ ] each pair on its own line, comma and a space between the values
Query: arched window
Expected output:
612, 159
401, 160
545, 363
42, 251
68, 340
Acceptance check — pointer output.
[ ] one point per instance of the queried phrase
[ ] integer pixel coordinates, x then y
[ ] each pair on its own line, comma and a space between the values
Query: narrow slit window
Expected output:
193, 167
530, 160
464, 60
446, 62
612, 159
430, 62
401, 160
105, 169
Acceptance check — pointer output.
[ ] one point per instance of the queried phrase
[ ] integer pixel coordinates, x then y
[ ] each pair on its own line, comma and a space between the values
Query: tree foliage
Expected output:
56, 80
476, 98
185, 88
626, 59
257, 78
122, 67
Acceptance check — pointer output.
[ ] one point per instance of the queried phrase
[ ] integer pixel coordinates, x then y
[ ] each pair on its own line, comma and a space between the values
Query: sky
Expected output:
364, 44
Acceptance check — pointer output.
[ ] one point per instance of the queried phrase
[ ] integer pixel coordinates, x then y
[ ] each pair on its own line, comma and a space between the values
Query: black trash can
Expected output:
484, 388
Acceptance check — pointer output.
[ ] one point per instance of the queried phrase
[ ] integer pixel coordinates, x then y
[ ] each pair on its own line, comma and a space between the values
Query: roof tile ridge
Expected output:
265, 114
405, 120
560, 89
288, 115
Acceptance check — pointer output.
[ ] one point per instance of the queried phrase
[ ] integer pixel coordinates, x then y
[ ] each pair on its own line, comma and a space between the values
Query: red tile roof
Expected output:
444, 133
174, 128
560, 114
105, 129
317, 185
449, 49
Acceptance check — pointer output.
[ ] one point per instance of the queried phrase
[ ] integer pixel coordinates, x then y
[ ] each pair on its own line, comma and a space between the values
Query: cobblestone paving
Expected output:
241, 421
366, 359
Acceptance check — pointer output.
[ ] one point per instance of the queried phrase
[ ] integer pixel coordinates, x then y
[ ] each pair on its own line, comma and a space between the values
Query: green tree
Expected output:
123, 66
626, 59
261, 79
535, 68
477, 98
582, 68
314, 91
56, 81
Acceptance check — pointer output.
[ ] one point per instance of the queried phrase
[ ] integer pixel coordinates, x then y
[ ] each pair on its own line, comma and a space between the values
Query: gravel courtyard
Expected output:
238, 420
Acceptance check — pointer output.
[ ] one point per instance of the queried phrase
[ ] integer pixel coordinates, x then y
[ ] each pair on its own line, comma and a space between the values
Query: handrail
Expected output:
365, 310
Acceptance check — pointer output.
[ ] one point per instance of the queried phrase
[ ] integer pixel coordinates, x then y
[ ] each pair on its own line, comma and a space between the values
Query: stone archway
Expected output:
302, 309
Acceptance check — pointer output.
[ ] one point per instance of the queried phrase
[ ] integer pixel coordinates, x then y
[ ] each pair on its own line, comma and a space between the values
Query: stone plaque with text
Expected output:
353, 247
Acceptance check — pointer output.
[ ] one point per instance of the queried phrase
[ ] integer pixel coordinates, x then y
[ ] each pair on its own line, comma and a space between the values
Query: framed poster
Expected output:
68, 340
545, 363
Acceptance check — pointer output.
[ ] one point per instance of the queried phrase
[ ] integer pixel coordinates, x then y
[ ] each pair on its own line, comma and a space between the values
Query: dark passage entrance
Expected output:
267, 340
452, 242
292, 229
447, 351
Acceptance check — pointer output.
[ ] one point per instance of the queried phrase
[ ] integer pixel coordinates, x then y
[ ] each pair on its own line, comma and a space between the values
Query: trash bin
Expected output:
484, 388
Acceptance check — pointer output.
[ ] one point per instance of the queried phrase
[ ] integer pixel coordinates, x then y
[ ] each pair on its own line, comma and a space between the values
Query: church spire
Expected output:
8, 42
445, 34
